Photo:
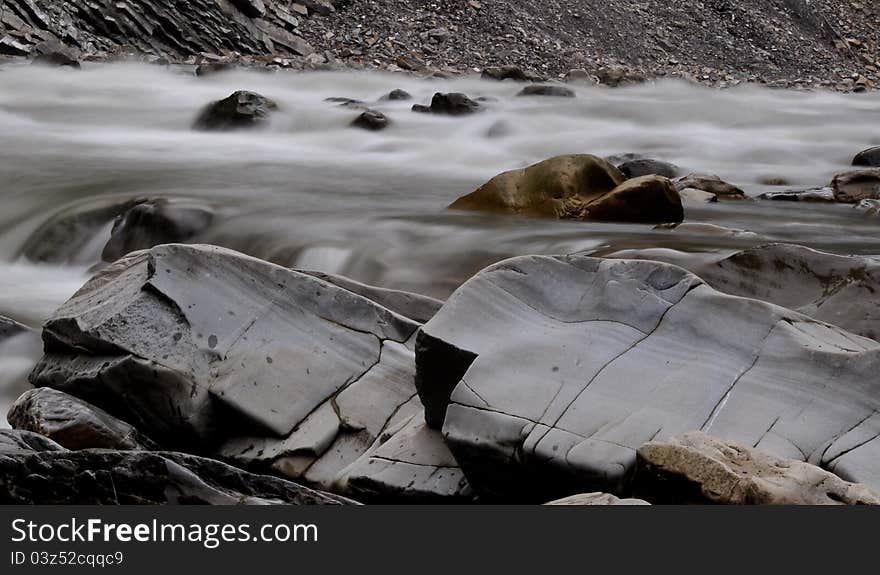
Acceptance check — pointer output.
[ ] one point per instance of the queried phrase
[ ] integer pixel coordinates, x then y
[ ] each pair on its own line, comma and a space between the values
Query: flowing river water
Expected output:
311, 192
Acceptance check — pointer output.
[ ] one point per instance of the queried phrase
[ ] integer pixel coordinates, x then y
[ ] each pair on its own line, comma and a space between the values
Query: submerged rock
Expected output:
546, 375
10, 327
73, 423
869, 158
371, 120
855, 186
698, 468
452, 104
193, 344
101, 477
547, 90
396, 95
241, 109
580, 187
812, 195
154, 222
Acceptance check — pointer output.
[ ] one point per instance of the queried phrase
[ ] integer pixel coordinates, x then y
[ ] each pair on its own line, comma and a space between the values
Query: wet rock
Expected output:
869, 207
213, 68
101, 477
371, 120
596, 498
812, 195
417, 307
396, 96
869, 158
73, 423
710, 183
855, 186
241, 109
581, 187
194, 344
698, 468
252, 8
413, 466
547, 90
648, 167
154, 222
694, 228
56, 58
451, 104
347, 102
548, 373
19, 442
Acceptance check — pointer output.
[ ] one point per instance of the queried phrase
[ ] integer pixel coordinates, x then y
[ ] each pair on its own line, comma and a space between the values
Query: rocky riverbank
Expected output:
830, 44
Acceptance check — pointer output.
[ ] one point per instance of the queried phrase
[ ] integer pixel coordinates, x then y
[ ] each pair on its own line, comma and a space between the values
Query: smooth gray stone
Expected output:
195, 344
14, 441
102, 477
417, 307
413, 466
73, 423
842, 290
577, 362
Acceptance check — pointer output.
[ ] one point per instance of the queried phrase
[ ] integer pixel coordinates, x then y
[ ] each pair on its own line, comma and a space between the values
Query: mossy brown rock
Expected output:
579, 187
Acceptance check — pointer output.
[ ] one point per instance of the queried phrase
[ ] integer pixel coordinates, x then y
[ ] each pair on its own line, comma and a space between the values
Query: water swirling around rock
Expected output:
310, 191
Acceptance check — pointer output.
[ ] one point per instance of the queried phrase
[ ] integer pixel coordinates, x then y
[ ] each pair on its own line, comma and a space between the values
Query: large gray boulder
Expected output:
102, 477
842, 290
698, 468
73, 423
194, 344
548, 373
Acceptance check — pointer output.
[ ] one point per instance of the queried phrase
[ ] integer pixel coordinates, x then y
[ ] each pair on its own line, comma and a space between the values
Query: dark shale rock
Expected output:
155, 222
548, 373
547, 90
241, 109
101, 477
371, 120
73, 423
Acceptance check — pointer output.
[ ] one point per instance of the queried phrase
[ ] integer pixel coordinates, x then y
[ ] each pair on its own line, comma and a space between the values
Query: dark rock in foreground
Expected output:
577, 187
102, 477
73, 423
548, 373
698, 468
17, 442
241, 109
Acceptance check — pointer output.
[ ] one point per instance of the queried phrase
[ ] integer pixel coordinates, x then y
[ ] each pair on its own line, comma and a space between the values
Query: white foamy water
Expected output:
312, 192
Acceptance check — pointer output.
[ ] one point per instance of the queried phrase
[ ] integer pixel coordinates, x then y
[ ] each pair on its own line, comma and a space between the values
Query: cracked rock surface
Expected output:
39, 472
192, 344
546, 375
842, 290
698, 468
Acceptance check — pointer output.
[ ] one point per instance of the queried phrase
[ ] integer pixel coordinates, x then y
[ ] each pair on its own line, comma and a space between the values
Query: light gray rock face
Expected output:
73, 423
194, 344
596, 498
698, 468
414, 466
842, 290
417, 307
548, 373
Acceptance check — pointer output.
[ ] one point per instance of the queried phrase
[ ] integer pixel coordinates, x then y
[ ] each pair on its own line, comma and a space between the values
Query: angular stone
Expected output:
241, 109
547, 373
452, 104
699, 468
73, 423
192, 344
710, 183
